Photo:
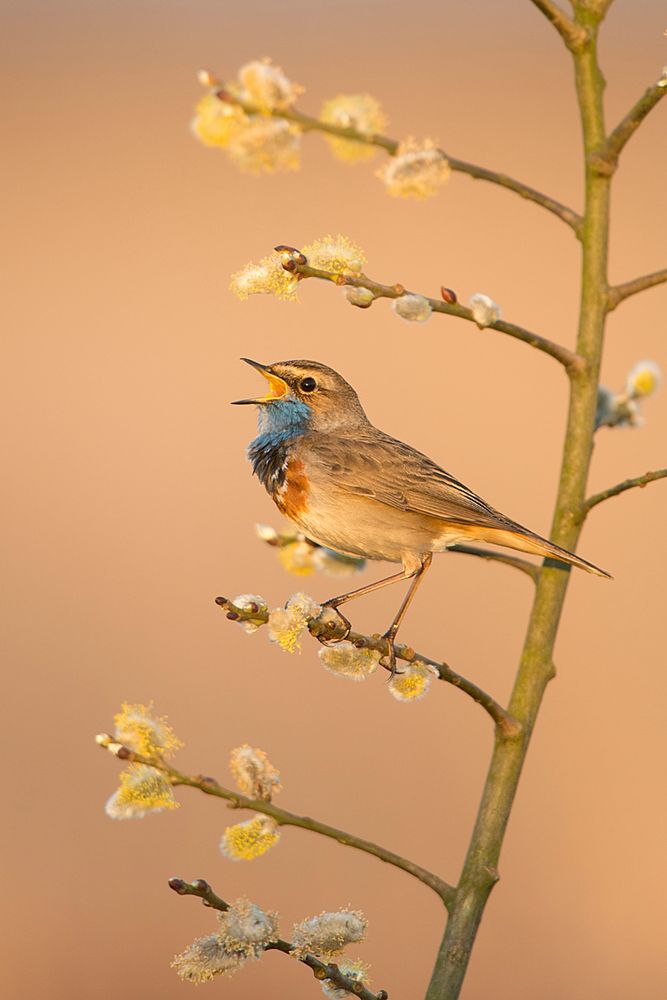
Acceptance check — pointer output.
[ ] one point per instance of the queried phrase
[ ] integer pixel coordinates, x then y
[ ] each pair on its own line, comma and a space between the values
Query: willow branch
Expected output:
565, 214
573, 35
618, 293
530, 569
308, 123
327, 629
570, 361
626, 128
321, 970
614, 491
480, 870
281, 816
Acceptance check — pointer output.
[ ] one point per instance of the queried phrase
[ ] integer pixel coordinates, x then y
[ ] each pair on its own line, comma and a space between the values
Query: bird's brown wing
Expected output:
384, 469
377, 466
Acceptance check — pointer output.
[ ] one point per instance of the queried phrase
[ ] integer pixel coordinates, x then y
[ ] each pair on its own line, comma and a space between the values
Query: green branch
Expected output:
310, 124
614, 491
610, 149
321, 970
281, 816
570, 361
480, 869
618, 293
327, 628
530, 569
574, 35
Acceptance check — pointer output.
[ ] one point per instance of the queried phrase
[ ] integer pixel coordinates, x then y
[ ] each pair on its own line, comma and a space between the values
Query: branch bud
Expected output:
294, 254
206, 78
177, 884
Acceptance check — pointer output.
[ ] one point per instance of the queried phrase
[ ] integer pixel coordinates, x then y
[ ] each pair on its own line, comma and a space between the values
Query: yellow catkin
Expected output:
643, 379
266, 277
266, 86
411, 684
287, 624
147, 734
416, 171
335, 253
359, 111
142, 790
216, 122
249, 840
254, 773
297, 557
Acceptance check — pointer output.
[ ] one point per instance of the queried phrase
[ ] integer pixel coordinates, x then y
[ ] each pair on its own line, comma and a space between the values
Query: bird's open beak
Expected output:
278, 386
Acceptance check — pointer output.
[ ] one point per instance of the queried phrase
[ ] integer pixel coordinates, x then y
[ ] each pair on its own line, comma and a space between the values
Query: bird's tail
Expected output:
526, 541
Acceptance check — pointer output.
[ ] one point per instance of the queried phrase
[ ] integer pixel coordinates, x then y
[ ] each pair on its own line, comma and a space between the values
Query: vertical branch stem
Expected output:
479, 872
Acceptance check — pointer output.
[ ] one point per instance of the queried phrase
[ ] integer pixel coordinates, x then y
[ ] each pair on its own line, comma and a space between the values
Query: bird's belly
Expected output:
360, 526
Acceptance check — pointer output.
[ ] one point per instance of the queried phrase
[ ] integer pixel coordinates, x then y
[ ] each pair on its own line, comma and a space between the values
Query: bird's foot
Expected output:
335, 626
388, 661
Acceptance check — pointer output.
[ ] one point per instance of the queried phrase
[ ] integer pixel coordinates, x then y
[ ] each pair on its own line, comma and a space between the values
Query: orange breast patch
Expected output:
292, 497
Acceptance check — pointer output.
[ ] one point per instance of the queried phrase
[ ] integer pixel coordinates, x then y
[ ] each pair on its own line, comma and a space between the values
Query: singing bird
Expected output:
355, 489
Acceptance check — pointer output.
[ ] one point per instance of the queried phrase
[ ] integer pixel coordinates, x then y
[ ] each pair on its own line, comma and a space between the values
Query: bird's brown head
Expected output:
306, 393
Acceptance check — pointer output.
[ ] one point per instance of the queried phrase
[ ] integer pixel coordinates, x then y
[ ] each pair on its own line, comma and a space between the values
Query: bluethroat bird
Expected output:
349, 486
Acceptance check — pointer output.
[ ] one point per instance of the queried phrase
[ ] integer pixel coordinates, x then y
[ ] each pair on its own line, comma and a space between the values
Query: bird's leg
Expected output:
389, 660
335, 602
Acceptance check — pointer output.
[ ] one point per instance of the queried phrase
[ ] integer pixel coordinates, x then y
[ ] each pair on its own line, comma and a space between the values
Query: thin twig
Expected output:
282, 817
570, 361
565, 214
321, 970
617, 293
308, 123
573, 35
325, 628
530, 569
626, 128
613, 491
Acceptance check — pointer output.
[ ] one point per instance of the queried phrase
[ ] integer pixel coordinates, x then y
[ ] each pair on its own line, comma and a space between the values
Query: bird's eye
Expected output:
308, 384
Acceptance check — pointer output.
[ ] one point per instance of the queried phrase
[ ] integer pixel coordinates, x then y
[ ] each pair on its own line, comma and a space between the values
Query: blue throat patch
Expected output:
279, 423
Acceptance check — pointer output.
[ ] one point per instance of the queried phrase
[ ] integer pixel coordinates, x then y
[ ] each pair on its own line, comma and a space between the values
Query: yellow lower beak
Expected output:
278, 386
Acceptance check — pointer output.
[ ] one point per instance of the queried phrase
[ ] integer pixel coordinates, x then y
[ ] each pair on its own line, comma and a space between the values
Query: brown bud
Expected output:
221, 601
178, 885
206, 78
399, 289
448, 294
201, 885
295, 254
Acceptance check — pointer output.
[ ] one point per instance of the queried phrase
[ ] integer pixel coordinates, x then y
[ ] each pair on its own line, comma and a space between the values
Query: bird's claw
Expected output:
388, 661
336, 627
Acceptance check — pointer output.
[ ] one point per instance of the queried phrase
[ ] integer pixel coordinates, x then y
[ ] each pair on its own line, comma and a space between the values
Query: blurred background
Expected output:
129, 504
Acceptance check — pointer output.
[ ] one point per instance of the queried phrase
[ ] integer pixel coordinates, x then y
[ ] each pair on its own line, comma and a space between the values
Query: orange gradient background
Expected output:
129, 504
